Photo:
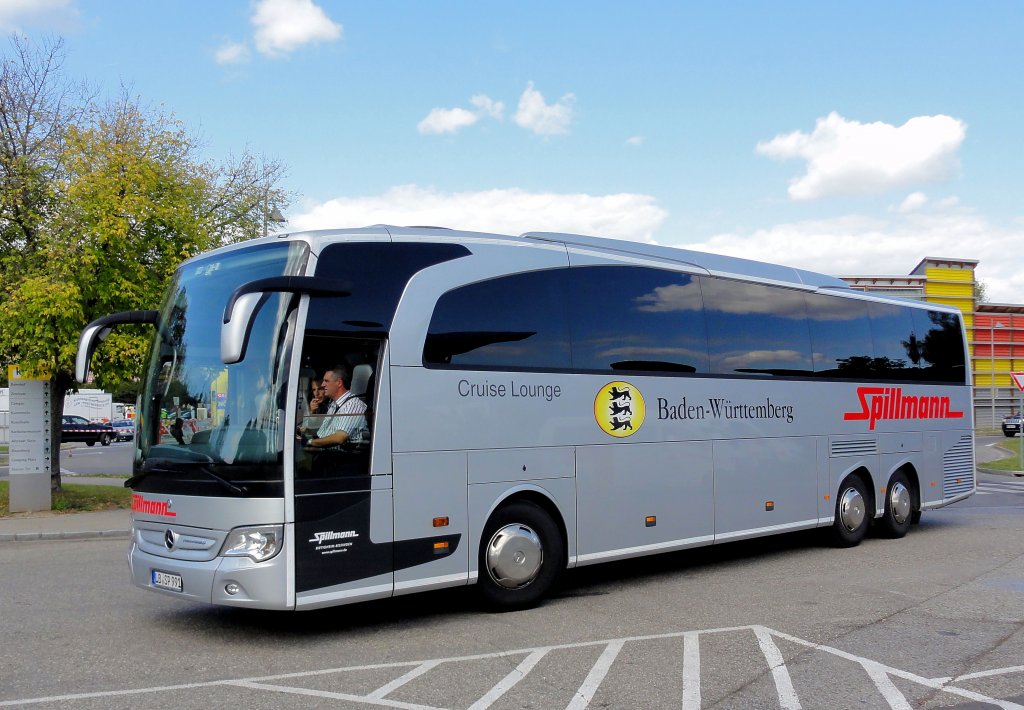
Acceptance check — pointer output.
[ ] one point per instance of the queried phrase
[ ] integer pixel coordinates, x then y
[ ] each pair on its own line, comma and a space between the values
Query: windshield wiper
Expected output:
226, 484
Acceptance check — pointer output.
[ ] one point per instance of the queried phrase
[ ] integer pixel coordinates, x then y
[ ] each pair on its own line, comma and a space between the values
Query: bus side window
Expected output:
512, 322
637, 318
756, 329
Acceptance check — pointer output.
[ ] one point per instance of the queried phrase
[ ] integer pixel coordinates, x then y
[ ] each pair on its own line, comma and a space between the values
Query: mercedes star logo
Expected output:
170, 538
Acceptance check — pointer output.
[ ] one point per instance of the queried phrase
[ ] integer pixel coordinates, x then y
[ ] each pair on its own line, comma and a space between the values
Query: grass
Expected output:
1010, 463
75, 498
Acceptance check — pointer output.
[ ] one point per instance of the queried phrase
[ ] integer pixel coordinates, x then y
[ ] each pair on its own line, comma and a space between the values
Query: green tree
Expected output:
121, 197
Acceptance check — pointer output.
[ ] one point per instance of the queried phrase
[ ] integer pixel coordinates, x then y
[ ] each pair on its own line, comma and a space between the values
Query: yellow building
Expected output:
995, 331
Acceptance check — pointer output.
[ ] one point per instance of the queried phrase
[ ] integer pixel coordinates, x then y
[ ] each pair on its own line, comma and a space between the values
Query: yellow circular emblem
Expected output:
619, 409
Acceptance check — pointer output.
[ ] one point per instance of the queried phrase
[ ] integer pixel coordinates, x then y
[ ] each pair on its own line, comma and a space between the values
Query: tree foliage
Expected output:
99, 203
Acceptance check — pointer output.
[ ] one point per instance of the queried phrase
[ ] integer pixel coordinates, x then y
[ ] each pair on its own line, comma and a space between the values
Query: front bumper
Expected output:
262, 585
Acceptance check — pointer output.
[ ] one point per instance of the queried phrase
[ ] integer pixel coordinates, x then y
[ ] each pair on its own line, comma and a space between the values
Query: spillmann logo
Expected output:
619, 409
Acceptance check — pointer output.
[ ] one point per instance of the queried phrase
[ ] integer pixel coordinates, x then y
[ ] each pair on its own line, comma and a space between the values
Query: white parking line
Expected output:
788, 699
509, 681
397, 683
593, 680
691, 671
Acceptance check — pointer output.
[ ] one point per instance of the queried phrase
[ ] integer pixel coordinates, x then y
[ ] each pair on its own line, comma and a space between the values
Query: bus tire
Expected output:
852, 513
105, 440
521, 557
899, 506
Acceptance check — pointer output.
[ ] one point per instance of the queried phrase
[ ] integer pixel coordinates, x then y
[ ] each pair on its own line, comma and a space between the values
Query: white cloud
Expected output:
15, 15
447, 120
635, 140
452, 120
847, 157
541, 118
487, 106
232, 53
913, 202
285, 25
506, 211
859, 246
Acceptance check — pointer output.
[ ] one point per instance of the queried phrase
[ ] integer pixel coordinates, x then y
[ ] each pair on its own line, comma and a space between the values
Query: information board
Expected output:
30, 449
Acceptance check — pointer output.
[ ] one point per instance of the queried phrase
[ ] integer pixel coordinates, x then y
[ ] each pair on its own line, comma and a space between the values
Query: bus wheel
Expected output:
899, 506
105, 440
521, 556
852, 519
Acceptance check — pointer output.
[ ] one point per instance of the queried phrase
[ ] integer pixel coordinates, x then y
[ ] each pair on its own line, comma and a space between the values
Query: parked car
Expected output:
1011, 425
124, 429
75, 428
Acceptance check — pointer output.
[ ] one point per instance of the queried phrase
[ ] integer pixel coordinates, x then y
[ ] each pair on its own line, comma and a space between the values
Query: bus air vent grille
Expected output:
958, 468
853, 447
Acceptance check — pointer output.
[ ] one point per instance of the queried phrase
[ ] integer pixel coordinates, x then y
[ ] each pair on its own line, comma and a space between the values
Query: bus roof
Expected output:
711, 263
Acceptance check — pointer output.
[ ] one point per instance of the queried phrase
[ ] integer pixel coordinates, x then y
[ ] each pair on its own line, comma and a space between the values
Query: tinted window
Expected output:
897, 352
510, 322
755, 329
376, 274
632, 318
840, 336
939, 346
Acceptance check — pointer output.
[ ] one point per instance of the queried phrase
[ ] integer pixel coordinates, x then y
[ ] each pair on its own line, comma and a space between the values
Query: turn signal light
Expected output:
441, 522
440, 548
769, 505
651, 520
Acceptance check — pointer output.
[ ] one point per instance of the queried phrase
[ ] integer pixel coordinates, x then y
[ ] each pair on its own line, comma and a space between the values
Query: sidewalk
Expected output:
66, 526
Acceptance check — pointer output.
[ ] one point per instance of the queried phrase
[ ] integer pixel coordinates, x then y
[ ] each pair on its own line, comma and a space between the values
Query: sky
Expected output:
846, 138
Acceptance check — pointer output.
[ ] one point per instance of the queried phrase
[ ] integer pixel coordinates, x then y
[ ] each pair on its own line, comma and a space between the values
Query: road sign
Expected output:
1018, 379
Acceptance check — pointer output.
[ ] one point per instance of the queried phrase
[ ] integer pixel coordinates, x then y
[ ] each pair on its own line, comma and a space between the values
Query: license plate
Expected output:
166, 580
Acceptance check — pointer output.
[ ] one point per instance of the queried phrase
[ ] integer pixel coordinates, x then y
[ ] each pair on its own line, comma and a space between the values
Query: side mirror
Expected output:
99, 329
247, 299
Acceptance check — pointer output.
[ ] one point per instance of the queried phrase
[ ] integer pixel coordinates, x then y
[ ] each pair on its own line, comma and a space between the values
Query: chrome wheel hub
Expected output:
514, 556
899, 502
851, 509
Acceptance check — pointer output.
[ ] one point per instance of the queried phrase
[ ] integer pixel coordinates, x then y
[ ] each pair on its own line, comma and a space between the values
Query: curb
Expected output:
999, 472
94, 535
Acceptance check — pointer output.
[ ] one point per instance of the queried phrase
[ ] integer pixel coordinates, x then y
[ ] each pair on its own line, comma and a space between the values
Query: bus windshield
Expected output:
206, 428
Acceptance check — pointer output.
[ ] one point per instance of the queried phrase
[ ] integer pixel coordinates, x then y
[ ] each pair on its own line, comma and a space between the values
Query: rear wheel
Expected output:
899, 506
852, 514
521, 556
90, 442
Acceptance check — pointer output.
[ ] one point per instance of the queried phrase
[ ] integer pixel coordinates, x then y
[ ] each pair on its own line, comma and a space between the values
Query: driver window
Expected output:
334, 412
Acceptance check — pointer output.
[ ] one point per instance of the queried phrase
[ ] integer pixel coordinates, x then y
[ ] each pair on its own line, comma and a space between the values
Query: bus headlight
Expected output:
258, 543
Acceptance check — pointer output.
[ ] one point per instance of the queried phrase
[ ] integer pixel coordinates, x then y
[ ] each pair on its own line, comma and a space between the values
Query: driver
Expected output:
346, 415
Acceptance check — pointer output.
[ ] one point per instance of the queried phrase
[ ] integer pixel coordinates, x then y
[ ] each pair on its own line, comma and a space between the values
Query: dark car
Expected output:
1011, 425
124, 429
75, 428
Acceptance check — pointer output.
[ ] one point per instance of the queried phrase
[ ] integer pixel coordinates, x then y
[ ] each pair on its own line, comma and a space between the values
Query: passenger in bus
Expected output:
346, 414
318, 402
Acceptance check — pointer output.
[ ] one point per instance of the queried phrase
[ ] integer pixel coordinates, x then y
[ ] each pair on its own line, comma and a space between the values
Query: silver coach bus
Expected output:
526, 404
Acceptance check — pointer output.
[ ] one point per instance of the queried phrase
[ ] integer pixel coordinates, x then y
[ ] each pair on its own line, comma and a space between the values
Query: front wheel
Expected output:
852, 515
899, 506
105, 440
91, 442
521, 556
